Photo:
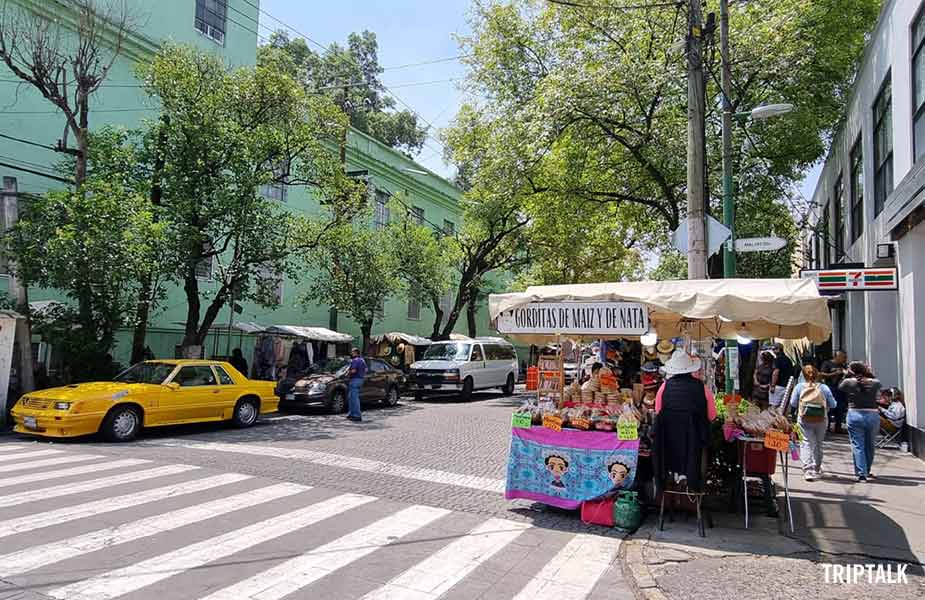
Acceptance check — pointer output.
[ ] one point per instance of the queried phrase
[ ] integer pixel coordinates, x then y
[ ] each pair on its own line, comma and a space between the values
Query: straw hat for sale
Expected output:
665, 347
681, 362
650, 353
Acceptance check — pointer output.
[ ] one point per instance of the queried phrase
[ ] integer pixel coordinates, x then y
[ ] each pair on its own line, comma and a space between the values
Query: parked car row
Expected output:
172, 392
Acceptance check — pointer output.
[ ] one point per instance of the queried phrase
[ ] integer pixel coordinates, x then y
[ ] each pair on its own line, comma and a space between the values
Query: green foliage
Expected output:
221, 136
586, 107
350, 77
94, 244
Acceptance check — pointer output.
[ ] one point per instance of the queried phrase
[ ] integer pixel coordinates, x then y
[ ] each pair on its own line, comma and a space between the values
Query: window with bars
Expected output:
918, 83
417, 214
211, 17
278, 188
883, 145
204, 268
838, 220
857, 190
271, 283
824, 232
381, 210
449, 228
10, 189
414, 309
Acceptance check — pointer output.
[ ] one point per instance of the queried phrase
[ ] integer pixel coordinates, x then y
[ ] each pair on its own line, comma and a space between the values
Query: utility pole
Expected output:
729, 257
19, 294
696, 161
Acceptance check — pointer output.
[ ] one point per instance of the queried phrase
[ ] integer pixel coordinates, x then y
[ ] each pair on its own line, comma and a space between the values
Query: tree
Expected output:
424, 260
350, 77
94, 244
223, 140
594, 101
66, 54
355, 273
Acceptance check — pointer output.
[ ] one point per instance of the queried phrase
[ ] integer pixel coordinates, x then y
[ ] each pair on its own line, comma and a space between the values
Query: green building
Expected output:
31, 127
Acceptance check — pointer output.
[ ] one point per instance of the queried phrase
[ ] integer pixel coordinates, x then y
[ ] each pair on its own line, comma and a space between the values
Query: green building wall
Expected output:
24, 114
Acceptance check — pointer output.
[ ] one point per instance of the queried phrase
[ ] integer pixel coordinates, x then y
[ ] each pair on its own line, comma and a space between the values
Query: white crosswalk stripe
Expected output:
435, 575
70, 471
89, 509
47, 462
573, 572
19, 455
36, 556
297, 573
68, 489
122, 581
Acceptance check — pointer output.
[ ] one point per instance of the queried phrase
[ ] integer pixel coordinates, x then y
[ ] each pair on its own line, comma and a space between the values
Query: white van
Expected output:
459, 367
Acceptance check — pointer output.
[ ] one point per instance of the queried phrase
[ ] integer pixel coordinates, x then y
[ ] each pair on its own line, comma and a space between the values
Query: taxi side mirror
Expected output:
173, 386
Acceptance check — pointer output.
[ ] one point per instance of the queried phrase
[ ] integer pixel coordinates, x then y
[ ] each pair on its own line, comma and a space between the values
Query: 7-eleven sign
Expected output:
853, 280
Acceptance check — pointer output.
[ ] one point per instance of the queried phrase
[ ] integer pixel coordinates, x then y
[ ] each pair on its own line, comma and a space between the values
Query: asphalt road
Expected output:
406, 504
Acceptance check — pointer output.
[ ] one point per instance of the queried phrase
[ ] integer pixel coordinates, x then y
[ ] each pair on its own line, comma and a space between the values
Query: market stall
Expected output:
399, 349
563, 443
279, 349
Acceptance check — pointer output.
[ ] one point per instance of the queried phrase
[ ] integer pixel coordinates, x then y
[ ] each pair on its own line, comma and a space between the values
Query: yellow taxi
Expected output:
148, 394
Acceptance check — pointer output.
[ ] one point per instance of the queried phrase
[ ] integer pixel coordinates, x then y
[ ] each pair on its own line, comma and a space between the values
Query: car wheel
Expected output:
338, 402
508, 388
246, 412
122, 424
466, 394
391, 396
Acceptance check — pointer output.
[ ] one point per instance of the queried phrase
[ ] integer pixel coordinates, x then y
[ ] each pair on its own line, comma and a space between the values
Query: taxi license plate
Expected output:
30, 423
290, 396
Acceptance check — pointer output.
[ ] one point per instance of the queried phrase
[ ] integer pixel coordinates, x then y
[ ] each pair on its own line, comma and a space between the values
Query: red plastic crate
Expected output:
761, 460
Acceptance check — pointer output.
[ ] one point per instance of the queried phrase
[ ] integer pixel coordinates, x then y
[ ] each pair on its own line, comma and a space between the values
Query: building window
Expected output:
838, 220
417, 214
278, 188
449, 228
380, 309
270, 283
824, 233
381, 210
883, 146
10, 188
210, 18
446, 304
414, 309
857, 190
205, 266
918, 83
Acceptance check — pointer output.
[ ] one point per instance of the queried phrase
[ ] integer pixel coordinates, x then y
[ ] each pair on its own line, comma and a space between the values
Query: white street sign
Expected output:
762, 244
717, 233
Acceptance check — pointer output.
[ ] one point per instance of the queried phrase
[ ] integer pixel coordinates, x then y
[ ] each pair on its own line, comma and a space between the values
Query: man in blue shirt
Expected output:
355, 382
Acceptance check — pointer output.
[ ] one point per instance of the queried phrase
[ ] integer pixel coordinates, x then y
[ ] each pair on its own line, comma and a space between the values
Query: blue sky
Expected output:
409, 31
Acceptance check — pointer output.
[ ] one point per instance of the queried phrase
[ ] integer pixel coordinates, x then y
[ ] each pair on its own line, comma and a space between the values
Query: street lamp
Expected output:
770, 110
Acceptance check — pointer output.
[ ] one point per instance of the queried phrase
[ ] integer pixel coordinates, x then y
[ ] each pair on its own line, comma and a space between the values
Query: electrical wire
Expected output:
614, 7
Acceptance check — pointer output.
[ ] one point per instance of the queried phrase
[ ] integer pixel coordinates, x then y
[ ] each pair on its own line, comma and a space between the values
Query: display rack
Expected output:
551, 377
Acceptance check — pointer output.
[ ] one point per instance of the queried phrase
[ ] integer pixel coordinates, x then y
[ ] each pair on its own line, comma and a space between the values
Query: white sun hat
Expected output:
681, 362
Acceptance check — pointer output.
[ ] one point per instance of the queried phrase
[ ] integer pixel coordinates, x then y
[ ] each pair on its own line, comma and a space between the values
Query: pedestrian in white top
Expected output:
812, 400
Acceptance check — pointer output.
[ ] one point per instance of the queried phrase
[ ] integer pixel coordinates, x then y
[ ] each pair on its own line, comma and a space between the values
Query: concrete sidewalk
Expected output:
836, 519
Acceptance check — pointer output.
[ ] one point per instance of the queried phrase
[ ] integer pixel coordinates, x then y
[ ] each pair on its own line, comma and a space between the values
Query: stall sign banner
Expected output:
552, 422
565, 468
521, 420
628, 431
577, 318
777, 440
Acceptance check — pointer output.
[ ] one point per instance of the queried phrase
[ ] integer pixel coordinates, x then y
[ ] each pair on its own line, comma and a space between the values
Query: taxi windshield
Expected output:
147, 372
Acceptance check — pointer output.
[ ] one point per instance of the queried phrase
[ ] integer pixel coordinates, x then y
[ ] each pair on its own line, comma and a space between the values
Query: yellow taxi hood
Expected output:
110, 390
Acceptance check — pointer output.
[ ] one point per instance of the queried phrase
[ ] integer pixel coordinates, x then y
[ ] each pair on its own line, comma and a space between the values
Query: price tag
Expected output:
581, 423
777, 441
521, 420
627, 431
552, 422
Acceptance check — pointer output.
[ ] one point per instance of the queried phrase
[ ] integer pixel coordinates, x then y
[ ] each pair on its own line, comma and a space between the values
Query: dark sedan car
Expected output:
325, 384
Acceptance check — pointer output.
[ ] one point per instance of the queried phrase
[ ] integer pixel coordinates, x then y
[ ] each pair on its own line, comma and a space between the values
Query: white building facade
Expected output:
869, 204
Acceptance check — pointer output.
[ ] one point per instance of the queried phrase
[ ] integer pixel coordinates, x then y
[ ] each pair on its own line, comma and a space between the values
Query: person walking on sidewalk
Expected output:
861, 390
813, 401
357, 374
833, 371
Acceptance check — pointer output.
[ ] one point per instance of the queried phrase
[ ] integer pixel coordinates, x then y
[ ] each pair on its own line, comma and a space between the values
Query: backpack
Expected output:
812, 403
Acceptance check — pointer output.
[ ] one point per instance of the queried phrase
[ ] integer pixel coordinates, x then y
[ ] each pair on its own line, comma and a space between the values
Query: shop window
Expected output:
857, 190
381, 210
211, 17
883, 145
838, 218
918, 83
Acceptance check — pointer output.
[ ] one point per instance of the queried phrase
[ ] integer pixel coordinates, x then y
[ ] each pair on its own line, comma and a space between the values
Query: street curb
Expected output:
636, 570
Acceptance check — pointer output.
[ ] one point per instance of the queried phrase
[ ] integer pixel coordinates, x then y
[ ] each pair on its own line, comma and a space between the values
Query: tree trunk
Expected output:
142, 311
80, 135
366, 328
462, 297
191, 330
438, 318
471, 310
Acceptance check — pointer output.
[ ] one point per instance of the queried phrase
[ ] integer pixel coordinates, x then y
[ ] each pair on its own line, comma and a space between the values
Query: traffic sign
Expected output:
760, 244
853, 279
717, 233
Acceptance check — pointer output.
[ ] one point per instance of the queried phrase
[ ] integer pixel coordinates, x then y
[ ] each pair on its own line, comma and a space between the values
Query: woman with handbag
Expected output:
812, 400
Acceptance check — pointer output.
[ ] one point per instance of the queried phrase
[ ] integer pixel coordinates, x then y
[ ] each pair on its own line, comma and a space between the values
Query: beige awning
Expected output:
396, 337
760, 308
